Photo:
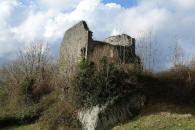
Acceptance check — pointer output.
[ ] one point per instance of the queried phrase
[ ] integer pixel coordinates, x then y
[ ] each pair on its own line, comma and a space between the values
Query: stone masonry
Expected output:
78, 43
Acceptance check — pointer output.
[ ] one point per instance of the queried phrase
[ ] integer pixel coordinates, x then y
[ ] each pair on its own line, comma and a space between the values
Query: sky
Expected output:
25, 21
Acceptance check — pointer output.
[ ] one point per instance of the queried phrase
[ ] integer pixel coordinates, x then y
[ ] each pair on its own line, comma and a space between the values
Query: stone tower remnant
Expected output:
78, 43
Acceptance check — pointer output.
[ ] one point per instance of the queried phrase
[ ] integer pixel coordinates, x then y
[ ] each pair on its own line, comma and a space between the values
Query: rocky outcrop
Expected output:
108, 115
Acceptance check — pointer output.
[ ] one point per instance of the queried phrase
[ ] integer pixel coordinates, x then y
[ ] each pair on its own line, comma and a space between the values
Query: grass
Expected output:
162, 116
24, 127
35, 127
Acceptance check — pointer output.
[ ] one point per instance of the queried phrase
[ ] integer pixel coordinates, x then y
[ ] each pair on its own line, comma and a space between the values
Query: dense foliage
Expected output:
31, 89
101, 83
26, 115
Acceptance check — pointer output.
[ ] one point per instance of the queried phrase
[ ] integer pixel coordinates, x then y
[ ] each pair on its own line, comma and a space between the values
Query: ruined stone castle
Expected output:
78, 43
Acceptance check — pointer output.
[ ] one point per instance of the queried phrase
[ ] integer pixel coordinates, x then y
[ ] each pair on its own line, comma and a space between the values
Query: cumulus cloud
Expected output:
48, 20
50, 25
59, 4
21, 24
183, 4
97, 15
140, 19
165, 18
6, 11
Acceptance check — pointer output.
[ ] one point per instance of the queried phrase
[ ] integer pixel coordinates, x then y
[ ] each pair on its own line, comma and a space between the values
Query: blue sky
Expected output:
123, 3
25, 21
26, 2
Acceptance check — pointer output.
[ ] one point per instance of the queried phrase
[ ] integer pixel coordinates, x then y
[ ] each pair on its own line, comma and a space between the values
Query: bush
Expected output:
3, 96
100, 83
29, 76
27, 115
171, 86
26, 88
24, 82
59, 114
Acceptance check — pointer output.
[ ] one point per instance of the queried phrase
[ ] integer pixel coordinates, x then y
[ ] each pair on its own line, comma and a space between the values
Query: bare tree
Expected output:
192, 62
34, 62
148, 50
177, 54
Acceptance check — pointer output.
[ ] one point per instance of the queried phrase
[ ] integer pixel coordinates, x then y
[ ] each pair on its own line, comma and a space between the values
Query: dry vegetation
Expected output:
31, 89
162, 116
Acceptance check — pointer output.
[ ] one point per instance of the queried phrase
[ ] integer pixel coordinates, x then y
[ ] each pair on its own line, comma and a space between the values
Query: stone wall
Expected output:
122, 40
74, 46
78, 43
100, 49
114, 53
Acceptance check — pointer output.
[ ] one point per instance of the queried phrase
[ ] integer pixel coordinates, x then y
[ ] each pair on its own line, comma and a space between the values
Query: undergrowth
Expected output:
100, 83
46, 98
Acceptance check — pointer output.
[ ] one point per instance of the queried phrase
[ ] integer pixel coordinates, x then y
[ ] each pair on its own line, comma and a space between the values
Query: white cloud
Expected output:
59, 4
165, 18
48, 20
184, 4
140, 19
6, 41
33, 27
113, 5
99, 16
6, 8
50, 25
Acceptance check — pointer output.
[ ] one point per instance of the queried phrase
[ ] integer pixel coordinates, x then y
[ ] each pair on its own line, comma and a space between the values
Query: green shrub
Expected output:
27, 115
3, 96
99, 83
26, 88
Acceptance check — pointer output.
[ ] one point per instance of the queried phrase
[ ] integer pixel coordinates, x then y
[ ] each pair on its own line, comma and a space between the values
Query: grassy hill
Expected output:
155, 116
162, 116
41, 94
24, 127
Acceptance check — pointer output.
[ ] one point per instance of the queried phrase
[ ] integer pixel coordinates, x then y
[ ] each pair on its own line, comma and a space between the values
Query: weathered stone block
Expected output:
78, 43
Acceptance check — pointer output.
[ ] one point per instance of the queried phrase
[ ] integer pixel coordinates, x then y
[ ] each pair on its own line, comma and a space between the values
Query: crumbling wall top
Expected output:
122, 40
82, 24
